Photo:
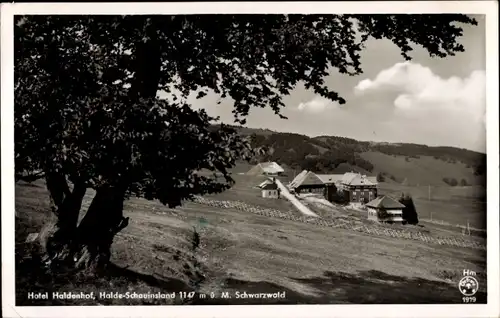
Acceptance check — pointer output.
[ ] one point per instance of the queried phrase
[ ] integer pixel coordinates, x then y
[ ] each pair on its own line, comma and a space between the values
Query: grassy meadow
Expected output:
451, 205
241, 251
421, 171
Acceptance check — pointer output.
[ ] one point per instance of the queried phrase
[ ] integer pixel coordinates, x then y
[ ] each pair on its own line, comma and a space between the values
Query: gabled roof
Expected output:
372, 180
264, 183
357, 179
348, 177
270, 186
266, 167
330, 178
385, 202
298, 179
271, 167
311, 179
305, 178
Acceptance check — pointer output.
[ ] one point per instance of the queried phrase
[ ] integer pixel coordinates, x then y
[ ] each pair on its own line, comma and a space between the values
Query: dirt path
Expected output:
301, 207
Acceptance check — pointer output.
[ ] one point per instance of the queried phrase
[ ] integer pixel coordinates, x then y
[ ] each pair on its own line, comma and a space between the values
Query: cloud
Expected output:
317, 105
422, 92
451, 111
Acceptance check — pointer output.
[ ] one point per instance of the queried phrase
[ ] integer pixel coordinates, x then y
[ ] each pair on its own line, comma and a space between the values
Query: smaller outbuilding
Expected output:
385, 209
269, 189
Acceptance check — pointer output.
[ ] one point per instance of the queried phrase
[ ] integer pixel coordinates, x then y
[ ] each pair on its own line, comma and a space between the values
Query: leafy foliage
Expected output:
436, 33
380, 177
86, 105
451, 181
410, 214
85, 90
464, 183
90, 130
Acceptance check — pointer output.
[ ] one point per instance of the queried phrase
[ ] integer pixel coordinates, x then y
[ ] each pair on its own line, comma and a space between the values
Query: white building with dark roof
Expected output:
269, 189
385, 209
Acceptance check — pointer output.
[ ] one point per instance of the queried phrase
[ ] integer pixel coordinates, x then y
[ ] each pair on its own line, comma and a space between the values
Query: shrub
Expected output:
380, 177
340, 198
410, 214
451, 181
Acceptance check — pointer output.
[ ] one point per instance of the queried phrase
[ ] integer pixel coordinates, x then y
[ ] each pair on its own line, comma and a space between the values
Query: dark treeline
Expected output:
301, 152
325, 153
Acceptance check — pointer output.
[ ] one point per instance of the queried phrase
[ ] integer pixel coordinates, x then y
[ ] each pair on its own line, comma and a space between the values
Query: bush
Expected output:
464, 183
340, 198
451, 181
480, 169
410, 215
380, 177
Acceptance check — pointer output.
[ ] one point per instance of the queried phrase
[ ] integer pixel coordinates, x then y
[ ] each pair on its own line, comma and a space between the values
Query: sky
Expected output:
431, 101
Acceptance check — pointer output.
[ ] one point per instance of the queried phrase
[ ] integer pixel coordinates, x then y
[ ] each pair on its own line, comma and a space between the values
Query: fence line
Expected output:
416, 236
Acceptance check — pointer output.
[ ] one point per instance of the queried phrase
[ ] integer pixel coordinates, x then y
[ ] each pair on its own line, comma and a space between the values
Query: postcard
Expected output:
286, 159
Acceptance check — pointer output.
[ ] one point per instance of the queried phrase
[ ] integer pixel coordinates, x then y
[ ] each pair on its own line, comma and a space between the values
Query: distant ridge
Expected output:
395, 162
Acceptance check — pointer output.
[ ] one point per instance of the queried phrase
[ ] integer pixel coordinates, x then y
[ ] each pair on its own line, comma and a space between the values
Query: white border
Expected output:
490, 8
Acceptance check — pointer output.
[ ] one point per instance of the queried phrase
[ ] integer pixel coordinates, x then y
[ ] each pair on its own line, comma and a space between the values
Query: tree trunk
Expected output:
68, 204
58, 189
103, 220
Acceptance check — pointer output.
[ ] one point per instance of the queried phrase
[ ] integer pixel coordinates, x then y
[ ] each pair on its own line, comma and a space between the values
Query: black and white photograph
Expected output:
207, 159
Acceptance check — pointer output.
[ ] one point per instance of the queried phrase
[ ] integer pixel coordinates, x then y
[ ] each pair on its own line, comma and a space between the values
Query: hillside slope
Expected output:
409, 164
241, 251
424, 170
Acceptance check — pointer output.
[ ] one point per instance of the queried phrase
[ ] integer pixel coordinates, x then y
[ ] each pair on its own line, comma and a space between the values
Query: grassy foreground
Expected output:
240, 252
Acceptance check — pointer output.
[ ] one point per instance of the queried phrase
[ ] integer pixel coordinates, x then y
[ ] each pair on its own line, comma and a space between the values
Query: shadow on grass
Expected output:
367, 287
165, 284
32, 276
376, 287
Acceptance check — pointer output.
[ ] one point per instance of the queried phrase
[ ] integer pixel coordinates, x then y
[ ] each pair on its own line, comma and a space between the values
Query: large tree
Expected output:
87, 113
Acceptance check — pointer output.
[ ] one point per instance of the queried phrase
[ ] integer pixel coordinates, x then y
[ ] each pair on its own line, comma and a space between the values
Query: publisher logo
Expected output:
468, 286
